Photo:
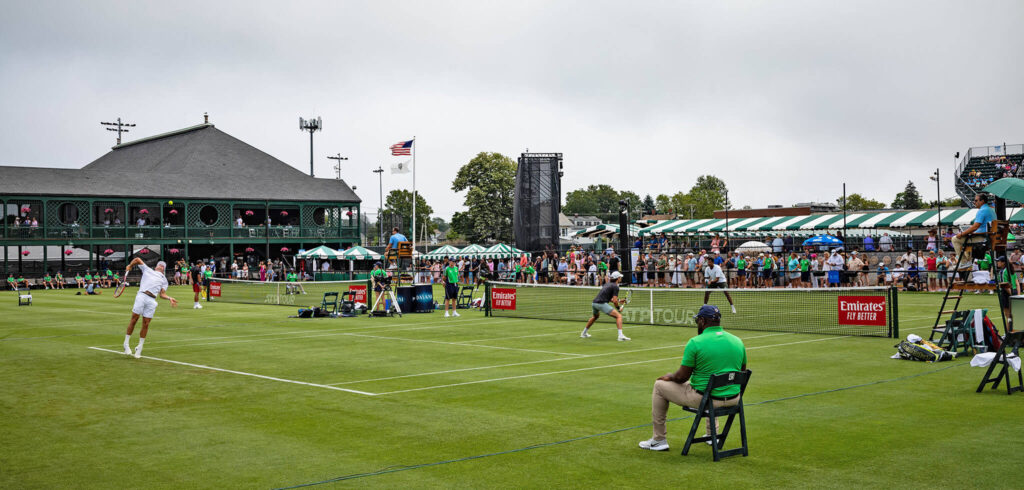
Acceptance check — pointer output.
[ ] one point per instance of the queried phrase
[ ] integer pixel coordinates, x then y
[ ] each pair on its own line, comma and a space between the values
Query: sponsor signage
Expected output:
862, 310
360, 293
503, 298
215, 289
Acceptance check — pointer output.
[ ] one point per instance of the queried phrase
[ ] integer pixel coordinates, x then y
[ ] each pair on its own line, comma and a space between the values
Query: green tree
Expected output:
489, 179
857, 202
684, 204
649, 207
441, 225
663, 204
399, 202
708, 195
598, 200
909, 198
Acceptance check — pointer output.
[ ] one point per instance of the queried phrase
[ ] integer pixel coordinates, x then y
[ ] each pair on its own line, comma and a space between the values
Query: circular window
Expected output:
320, 216
67, 213
208, 215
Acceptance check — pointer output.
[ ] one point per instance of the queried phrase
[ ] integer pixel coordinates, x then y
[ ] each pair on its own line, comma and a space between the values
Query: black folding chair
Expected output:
330, 304
708, 411
1010, 347
465, 299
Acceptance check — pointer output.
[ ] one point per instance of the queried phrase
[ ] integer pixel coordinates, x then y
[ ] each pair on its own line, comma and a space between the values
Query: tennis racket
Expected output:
120, 286
628, 298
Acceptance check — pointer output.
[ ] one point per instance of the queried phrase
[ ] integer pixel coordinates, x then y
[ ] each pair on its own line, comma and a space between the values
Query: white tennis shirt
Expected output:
152, 281
714, 274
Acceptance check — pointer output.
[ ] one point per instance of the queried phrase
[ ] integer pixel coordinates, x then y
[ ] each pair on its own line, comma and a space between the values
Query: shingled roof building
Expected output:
177, 194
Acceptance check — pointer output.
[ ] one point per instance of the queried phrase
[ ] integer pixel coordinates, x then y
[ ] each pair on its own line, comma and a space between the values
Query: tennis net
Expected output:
863, 311
284, 293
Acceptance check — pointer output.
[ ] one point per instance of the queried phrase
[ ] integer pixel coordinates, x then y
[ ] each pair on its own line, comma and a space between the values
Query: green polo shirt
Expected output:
712, 352
452, 273
602, 266
741, 264
292, 277
208, 274
88, 277
378, 273
529, 270
110, 273
47, 278
78, 277
805, 265
12, 280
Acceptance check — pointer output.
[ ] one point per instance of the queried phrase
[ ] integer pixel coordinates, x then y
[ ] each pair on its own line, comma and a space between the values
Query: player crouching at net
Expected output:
714, 278
451, 288
603, 303
152, 285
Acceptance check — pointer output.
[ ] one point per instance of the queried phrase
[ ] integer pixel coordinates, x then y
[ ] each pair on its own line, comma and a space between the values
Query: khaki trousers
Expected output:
958, 245
682, 395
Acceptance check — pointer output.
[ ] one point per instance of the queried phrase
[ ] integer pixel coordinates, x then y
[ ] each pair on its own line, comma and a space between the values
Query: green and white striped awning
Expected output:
500, 251
816, 223
607, 230
442, 252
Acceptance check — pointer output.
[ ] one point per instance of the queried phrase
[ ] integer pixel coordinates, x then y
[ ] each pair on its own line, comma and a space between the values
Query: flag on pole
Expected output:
401, 167
402, 148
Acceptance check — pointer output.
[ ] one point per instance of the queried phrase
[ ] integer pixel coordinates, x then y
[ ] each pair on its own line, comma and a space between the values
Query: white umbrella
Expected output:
322, 252
750, 247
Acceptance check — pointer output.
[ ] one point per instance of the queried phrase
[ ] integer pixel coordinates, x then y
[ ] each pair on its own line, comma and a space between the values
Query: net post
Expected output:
894, 318
487, 298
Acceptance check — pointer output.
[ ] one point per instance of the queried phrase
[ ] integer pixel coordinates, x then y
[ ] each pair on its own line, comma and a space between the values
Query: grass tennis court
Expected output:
424, 401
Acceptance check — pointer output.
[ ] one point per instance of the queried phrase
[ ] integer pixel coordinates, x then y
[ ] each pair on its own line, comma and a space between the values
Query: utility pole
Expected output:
938, 202
311, 125
119, 126
380, 210
337, 166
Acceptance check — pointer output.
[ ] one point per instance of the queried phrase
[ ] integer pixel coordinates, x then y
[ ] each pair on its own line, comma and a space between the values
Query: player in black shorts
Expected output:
607, 301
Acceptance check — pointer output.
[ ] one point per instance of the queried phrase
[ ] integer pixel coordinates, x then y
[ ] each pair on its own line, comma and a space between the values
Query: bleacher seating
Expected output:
979, 171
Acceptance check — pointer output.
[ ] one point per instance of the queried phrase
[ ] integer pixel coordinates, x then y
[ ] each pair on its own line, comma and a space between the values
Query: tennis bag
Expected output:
924, 351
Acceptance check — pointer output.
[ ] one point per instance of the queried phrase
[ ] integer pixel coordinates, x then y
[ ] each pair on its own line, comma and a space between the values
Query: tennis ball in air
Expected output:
170, 202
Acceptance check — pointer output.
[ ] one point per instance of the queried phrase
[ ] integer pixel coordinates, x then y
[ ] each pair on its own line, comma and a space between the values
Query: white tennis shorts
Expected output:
144, 306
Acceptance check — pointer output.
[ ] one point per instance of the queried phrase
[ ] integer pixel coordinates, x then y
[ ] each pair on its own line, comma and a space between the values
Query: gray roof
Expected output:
200, 162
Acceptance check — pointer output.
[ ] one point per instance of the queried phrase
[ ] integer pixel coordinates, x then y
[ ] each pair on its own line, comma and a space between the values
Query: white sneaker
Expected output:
654, 445
621, 338
138, 352
584, 335
455, 313
446, 315
127, 350
199, 306
733, 308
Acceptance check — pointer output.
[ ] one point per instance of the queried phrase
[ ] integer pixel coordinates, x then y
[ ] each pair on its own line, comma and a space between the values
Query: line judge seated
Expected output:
396, 238
976, 232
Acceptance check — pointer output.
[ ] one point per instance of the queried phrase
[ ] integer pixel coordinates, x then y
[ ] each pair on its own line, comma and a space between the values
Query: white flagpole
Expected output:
413, 195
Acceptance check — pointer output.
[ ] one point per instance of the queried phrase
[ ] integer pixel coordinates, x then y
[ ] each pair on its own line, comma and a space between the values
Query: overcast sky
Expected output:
784, 100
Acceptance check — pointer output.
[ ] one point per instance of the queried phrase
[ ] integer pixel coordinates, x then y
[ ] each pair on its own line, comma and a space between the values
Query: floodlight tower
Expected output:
120, 128
311, 125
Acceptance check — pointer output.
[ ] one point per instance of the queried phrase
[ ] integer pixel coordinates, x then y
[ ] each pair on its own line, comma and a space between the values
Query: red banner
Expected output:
215, 289
360, 296
862, 310
503, 298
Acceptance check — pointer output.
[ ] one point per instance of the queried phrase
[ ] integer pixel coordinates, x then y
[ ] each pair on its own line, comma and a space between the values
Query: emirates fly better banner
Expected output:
862, 310
503, 298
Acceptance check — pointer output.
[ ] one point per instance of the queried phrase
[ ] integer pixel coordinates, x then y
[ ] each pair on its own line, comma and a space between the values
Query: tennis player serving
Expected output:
607, 301
153, 284
714, 278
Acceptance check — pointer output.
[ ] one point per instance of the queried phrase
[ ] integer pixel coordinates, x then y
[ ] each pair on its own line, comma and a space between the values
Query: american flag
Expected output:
402, 148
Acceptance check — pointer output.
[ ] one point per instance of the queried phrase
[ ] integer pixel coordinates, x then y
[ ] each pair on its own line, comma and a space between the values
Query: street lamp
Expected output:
380, 210
938, 199
311, 125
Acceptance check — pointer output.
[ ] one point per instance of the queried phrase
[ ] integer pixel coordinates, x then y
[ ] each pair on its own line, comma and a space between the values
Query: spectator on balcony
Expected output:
141, 221
239, 223
777, 244
35, 223
869, 243
885, 243
932, 241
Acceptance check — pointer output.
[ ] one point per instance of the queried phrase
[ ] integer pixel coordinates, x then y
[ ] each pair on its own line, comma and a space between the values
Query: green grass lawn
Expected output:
424, 401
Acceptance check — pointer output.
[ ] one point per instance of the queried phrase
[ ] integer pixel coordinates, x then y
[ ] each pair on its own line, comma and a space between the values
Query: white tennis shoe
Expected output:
138, 352
455, 313
654, 445
621, 338
127, 350
584, 335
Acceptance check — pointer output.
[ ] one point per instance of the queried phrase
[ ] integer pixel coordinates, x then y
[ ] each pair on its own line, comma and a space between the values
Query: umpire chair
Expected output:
707, 410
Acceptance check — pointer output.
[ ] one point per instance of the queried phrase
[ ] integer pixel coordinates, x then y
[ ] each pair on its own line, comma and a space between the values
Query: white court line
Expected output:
467, 345
422, 388
585, 356
243, 373
322, 333
356, 329
577, 331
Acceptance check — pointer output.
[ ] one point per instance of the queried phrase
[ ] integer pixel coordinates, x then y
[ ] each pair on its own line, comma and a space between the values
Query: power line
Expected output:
120, 127
337, 166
